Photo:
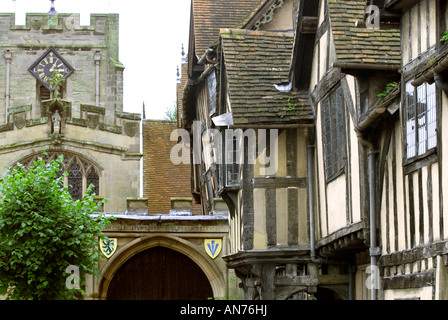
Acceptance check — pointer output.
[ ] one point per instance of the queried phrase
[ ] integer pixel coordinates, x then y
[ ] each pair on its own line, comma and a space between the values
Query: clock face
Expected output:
46, 66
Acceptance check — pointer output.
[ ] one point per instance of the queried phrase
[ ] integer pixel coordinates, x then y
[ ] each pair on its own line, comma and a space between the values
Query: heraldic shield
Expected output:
108, 246
213, 247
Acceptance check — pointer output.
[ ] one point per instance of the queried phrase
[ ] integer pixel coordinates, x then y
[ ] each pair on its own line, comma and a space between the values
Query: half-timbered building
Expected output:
353, 93
411, 159
377, 89
352, 63
260, 164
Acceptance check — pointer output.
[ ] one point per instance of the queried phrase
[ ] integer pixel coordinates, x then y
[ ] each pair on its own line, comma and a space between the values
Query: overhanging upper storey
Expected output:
359, 46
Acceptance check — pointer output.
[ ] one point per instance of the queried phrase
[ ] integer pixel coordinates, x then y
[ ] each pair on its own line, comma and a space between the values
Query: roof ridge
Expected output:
242, 32
250, 15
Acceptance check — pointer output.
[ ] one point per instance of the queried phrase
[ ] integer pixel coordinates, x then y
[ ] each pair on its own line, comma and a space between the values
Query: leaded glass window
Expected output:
211, 84
233, 167
92, 178
75, 181
421, 119
333, 131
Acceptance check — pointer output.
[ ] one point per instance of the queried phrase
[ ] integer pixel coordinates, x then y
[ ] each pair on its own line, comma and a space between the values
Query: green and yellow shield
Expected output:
108, 246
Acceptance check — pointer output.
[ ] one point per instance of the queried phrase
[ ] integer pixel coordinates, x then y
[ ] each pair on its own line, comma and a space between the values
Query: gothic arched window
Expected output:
81, 172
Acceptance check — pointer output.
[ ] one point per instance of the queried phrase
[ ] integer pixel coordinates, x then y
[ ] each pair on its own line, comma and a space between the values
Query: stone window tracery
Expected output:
75, 181
81, 172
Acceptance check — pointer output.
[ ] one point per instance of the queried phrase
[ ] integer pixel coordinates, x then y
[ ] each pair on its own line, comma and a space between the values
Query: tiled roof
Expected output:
437, 64
359, 44
211, 15
255, 61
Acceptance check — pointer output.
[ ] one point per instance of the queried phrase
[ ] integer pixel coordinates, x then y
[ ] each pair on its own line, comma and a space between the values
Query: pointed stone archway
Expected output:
159, 273
184, 251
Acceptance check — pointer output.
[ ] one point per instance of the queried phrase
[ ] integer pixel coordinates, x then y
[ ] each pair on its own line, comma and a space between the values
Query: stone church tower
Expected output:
81, 115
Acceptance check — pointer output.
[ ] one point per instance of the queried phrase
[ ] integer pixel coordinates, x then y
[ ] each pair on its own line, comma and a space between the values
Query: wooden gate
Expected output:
159, 273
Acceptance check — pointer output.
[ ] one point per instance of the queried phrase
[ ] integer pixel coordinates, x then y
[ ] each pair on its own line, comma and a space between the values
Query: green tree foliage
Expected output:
56, 81
171, 113
43, 231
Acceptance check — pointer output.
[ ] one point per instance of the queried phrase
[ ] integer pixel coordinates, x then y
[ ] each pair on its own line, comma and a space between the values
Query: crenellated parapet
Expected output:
62, 22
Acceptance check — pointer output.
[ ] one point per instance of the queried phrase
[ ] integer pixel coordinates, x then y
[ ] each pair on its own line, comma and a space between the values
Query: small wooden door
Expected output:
159, 273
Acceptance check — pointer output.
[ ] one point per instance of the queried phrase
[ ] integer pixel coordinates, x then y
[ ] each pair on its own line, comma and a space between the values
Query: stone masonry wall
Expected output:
78, 45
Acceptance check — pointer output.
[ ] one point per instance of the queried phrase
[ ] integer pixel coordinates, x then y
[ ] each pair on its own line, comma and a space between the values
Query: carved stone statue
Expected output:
56, 118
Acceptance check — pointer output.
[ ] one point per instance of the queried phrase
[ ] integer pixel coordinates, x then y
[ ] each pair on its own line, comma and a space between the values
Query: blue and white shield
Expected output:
108, 246
213, 247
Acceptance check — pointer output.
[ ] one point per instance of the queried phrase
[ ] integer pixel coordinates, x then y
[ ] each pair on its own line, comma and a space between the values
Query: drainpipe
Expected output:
310, 160
374, 249
97, 58
310, 153
373, 243
7, 96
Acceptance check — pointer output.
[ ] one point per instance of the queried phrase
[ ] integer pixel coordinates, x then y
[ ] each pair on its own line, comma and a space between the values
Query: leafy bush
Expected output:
43, 231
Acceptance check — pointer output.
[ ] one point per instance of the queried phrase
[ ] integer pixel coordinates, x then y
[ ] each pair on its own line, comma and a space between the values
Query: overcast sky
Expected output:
151, 36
